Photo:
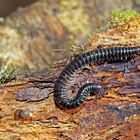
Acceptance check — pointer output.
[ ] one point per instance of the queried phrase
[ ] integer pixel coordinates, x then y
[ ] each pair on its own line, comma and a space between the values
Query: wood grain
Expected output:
28, 111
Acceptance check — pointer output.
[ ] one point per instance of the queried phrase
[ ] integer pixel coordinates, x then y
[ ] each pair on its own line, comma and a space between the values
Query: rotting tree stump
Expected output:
28, 111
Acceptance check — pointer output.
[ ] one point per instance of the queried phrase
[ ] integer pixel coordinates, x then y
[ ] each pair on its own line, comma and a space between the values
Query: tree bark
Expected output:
28, 111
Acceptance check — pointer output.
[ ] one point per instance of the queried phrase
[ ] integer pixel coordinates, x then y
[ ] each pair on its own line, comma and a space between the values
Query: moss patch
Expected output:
126, 19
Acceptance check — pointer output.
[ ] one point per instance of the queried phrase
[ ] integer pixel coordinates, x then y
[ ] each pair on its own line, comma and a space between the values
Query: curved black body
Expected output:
62, 85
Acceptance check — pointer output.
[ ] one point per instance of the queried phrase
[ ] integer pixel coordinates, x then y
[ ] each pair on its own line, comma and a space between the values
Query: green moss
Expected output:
119, 17
125, 14
6, 72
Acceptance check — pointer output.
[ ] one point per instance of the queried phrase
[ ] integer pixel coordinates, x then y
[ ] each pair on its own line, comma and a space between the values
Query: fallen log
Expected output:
28, 110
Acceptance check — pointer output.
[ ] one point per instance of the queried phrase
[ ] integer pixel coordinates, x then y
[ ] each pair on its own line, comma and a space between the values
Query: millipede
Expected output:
63, 83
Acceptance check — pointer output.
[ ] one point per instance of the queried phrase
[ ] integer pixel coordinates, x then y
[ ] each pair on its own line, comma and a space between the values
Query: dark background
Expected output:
8, 6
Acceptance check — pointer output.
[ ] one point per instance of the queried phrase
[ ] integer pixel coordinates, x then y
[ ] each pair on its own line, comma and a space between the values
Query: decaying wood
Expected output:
27, 108
28, 111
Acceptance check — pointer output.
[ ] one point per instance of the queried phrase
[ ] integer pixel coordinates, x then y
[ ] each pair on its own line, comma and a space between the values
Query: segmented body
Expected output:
62, 85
